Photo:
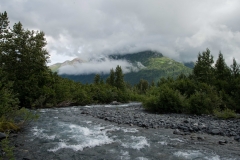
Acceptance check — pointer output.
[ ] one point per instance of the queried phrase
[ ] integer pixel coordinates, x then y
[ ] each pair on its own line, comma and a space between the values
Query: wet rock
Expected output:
200, 138
178, 132
237, 138
115, 103
222, 142
215, 131
232, 133
2, 135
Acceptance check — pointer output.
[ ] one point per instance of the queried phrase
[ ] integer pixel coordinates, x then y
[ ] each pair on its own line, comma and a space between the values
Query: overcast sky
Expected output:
179, 29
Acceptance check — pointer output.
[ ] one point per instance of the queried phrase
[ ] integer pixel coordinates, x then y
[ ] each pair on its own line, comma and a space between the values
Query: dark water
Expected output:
66, 134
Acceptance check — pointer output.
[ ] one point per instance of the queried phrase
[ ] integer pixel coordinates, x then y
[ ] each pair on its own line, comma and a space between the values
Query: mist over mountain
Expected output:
148, 65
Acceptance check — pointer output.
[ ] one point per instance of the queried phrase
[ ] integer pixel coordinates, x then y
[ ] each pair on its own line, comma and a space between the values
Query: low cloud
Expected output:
94, 66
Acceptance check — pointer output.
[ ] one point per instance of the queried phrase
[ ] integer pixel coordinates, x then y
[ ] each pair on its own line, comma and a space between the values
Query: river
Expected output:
66, 134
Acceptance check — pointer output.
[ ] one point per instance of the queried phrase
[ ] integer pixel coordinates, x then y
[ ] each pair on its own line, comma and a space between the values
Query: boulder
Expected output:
2, 135
222, 142
215, 131
237, 138
115, 103
178, 132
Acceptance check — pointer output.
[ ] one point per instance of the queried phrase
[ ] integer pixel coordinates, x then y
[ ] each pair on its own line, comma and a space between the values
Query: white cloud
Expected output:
101, 67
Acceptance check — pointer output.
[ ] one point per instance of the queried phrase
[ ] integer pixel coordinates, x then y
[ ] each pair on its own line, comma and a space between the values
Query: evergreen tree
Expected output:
143, 85
3, 35
235, 69
203, 70
24, 58
97, 79
221, 70
119, 81
8, 100
111, 78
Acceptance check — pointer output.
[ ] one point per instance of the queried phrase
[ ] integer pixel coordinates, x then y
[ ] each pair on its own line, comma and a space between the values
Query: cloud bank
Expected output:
178, 29
100, 67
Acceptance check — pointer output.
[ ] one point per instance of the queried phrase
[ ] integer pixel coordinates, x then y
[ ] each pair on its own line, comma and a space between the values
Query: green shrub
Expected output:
225, 113
7, 149
203, 103
151, 103
167, 100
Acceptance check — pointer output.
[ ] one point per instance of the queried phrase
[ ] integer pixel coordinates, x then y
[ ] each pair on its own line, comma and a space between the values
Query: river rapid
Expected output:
66, 134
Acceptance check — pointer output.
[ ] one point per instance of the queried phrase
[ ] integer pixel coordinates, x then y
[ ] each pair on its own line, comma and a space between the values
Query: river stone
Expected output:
232, 133
215, 131
2, 135
200, 138
237, 138
178, 132
222, 142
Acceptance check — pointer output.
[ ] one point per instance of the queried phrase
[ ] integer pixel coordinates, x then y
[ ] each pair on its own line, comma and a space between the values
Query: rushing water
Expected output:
66, 134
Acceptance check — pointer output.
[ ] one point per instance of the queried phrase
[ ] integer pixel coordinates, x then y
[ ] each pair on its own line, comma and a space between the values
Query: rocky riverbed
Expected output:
182, 124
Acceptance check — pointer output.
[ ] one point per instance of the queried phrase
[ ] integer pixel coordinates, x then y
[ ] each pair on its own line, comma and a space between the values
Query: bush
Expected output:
8, 149
185, 86
151, 103
225, 114
203, 103
168, 100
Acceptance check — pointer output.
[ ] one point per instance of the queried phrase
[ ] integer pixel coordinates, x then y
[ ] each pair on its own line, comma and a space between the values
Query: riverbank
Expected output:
182, 124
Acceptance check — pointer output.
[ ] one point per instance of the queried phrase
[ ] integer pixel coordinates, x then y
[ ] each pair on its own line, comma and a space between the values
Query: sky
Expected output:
179, 29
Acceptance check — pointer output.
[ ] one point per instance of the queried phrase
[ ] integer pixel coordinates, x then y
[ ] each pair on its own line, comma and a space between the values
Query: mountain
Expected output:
56, 66
148, 65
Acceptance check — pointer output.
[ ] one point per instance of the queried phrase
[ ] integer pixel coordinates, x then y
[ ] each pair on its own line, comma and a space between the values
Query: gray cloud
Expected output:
178, 29
101, 67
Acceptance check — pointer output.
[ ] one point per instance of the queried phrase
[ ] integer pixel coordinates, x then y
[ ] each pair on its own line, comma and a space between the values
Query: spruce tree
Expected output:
221, 70
111, 78
97, 79
235, 69
119, 81
23, 59
203, 70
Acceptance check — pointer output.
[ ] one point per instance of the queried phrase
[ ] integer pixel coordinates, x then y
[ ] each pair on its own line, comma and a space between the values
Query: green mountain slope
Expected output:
157, 68
142, 57
148, 65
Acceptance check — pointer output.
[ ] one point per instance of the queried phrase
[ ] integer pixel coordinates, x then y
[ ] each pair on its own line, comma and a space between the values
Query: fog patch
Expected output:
102, 66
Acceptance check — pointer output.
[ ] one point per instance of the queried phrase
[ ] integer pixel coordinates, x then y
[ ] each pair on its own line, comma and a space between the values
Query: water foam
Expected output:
164, 143
125, 155
129, 130
79, 147
176, 139
189, 154
40, 134
136, 142
77, 138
